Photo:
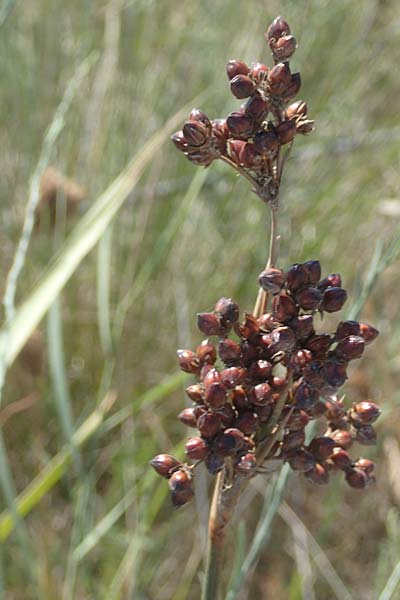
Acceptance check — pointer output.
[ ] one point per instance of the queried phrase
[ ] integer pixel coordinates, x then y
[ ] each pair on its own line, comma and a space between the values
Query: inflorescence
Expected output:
256, 394
251, 139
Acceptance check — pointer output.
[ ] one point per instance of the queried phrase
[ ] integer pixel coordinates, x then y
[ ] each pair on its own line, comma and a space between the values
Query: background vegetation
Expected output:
98, 524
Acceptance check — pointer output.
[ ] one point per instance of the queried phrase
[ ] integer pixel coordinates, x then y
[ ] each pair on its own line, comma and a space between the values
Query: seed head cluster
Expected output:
251, 138
257, 390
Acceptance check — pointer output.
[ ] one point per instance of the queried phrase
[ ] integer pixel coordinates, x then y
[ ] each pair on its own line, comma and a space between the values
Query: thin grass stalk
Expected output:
391, 584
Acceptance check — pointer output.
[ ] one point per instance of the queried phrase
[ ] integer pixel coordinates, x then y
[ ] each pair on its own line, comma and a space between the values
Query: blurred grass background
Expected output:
183, 238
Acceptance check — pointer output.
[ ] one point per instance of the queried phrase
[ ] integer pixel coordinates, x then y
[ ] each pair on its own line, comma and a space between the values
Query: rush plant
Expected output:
262, 379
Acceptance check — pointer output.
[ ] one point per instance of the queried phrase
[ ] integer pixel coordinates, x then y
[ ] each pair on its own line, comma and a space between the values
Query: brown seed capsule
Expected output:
357, 478
260, 370
199, 115
301, 358
242, 86
180, 480
213, 376
335, 410
229, 351
209, 424
250, 328
366, 435
247, 464
309, 298
256, 108
182, 497
200, 409
283, 339
366, 412
196, 448
350, 348
266, 142
283, 308
293, 440
262, 394
342, 438
249, 158
195, 132
232, 376
188, 417
295, 111
249, 352
226, 414
368, 333
365, 464
236, 67
195, 393
188, 361
318, 474
293, 88
333, 299
215, 395
333, 280
279, 78
266, 322
201, 158
278, 28
334, 373
296, 277
206, 353
286, 131
301, 460
346, 328
235, 148
229, 441
220, 133
247, 422
303, 326
322, 447
305, 396
341, 459
304, 126
214, 462
263, 412
258, 71
179, 141
272, 280
241, 126
164, 464
284, 47
228, 310
239, 398
297, 420
209, 324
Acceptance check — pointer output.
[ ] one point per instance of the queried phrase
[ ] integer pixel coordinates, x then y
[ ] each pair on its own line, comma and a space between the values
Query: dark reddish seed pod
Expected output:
205, 369
179, 141
296, 277
195, 392
214, 462
366, 412
333, 280
209, 324
195, 132
357, 478
247, 464
180, 480
182, 497
303, 326
199, 410
236, 67
312, 267
263, 412
220, 133
333, 299
335, 410
365, 464
265, 344
284, 48
286, 131
301, 460
228, 310
312, 373
262, 394
341, 459
250, 328
272, 280
293, 440
293, 88
322, 447
239, 399
304, 126
240, 125
229, 351
279, 78
334, 373
350, 348
301, 358
164, 464
318, 474
342, 438
249, 157
368, 333
347, 328
232, 376
198, 115
297, 420
309, 298
258, 71
283, 308
283, 339
188, 361
305, 396
226, 414
366, 435
196, 448
236, 150
247, 422
188, 417
266, 322
215, 395
249, 352
206, 353
266, 142
213, 376
278, 28
229, 441
201, 158
242, 86
260, 370
298, 110
256, 107
209, 424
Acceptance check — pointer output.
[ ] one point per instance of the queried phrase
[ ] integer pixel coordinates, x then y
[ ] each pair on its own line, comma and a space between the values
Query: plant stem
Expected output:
262, 296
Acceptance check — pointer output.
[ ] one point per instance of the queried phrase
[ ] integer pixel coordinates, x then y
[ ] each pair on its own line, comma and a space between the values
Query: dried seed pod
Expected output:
258, 71
195, 132
296, 277
226, 414
220, 133
263, 412
342, 438
286, 131
214, 462
305, 396
293, 88
195, 392
334, 373
247, 422
250, 328
164, 464
333, 299
357, 478
301, 460
240, 125
341, 459
236, 67
229, 351
293, 440
206, 353
283, 308
301, 358
198, 115
298, 110
309, 298
266, 322
209, 324
335, 410
228, 310
272, 280
242, 86
179, 141
365, 412
232, 376
350, 348
188, 361
266, 142
209, 424
262, 394
260, 370
278, 28
303, 326
239, 398
200, 409
196, 448
247, 464
347, 328
180, 480
229, 441
318, 474
249, 157
235, 148
279, 78
283, 339
322, 447
365, 464
188, 417
215, 395
256, 108
249, 352
312, 373
368, 333
180, 498
366, 435
333, 280
284, 47
304, 126
317, 410
297, 420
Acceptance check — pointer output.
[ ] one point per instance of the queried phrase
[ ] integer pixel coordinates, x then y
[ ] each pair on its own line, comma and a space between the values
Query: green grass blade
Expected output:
391, 584
103, 290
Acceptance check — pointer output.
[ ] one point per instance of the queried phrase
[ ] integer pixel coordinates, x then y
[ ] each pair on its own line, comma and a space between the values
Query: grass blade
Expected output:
391, 584
103, 290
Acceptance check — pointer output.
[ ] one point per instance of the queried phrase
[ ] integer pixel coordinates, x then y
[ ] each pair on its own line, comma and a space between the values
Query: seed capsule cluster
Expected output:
269, 381
252, 137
